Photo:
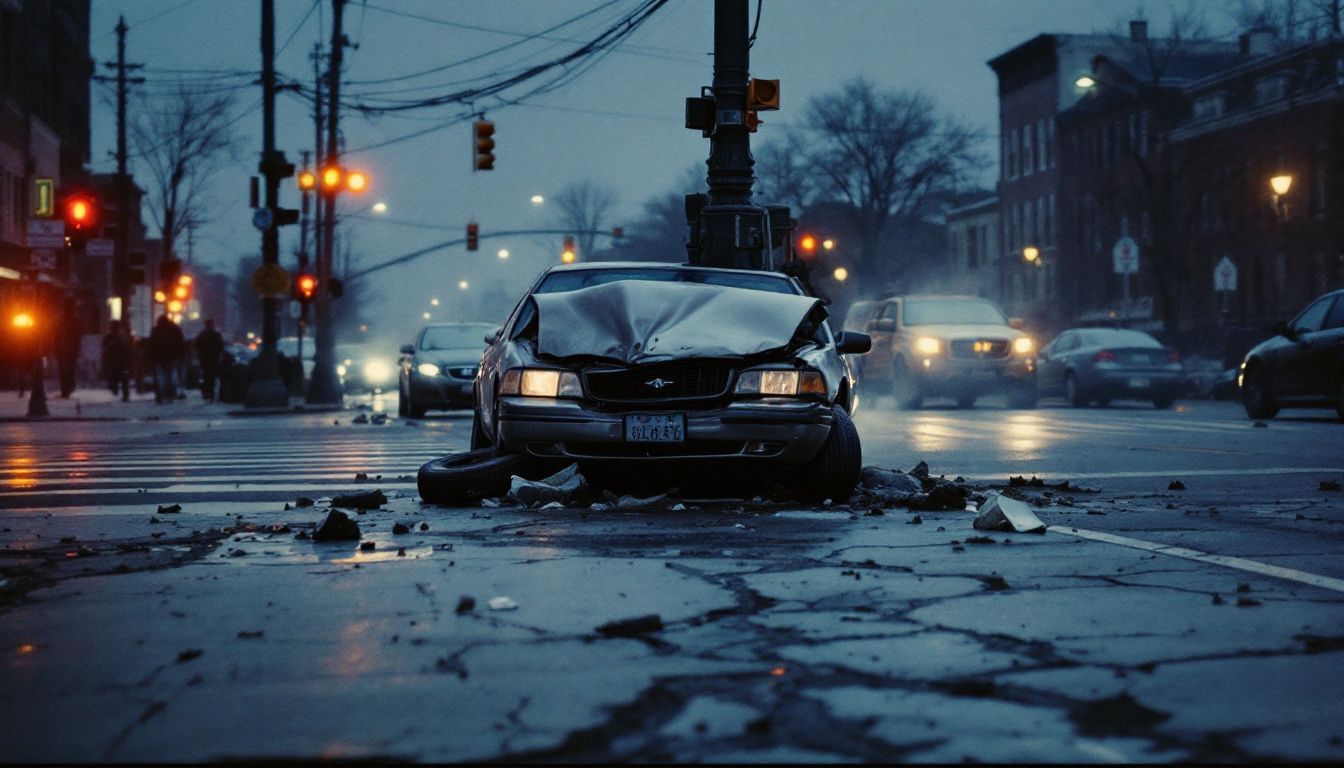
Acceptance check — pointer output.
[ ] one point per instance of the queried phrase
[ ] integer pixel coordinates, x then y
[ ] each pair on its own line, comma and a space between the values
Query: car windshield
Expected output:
465, 336
952, 312
1116, 337
557, 282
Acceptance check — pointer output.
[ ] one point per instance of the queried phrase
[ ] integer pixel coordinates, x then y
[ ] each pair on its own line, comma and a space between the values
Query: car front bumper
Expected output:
784, 431
442, 391
939, 375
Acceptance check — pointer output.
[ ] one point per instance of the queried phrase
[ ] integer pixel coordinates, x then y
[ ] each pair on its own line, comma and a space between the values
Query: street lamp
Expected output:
1031, 254
503, 253
380, 207
1281, 184
433, 302
828, 243
1085, 82
841, 274
463, 285
425, 315
538, 199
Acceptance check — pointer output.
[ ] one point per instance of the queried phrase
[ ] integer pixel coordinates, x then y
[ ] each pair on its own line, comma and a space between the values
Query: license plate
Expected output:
1138, 383
655, 428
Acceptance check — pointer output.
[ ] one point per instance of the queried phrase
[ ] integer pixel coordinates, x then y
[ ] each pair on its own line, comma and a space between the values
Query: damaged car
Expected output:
626, 363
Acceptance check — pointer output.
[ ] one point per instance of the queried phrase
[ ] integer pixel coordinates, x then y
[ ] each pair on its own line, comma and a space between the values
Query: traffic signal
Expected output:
357, 182
568, 255
182, 289
331, 179
762, 95
473, 236
753, 121
80, 211
305, 288
307, 180
808, 245
484, 146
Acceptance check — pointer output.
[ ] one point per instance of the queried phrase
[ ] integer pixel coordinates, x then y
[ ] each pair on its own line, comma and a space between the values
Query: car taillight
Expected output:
1104, 356
1173, 356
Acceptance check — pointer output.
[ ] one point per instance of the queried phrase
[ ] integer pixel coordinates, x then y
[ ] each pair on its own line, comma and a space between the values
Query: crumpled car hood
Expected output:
644, 321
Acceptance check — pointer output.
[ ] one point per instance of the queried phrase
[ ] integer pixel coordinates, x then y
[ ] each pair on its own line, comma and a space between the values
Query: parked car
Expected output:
1104, 364
439, 370
361, 368
1302, 366
632, 362
961, 347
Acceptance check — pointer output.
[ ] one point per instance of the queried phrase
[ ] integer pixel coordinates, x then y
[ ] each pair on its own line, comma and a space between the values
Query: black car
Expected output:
1302, 366
439, 369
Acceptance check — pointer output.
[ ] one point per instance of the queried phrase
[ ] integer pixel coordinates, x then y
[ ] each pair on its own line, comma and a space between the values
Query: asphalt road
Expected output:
1148, 624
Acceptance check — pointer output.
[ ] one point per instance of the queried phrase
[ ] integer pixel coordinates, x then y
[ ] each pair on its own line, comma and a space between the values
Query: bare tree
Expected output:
182, 140
783, 175
890, 157
584, 207
1294, 21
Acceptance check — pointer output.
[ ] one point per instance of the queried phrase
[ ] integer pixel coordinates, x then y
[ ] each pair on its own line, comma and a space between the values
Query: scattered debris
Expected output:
501, 604
361, 475
1001, 513
424, 526
563, 487
1243, 588
303, 501
916, 520
994, 583
302, 535
1175, 485
634, 502
277, 528
979, 540
465, 604
170, 509
250, 634
360, 419
362, 500
889, 481
874, 512
337, 526
551, 506
378, 418
237, 553
1247, 602
920, 470
367, 546
632, 627
1022, 482
1217, 599
401, 551
189, 654
942, 497
400, 528
1330, 485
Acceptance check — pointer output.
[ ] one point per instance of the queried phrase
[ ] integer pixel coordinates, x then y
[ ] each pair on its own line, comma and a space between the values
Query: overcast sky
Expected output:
618, 123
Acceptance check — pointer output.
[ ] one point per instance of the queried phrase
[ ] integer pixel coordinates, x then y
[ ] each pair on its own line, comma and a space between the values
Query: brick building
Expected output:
973, 251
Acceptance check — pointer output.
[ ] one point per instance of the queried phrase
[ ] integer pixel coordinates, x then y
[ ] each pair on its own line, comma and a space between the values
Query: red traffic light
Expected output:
305, 288
80, 212
807, 244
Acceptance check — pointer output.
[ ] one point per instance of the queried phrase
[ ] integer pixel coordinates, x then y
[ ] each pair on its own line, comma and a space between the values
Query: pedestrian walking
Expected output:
209, 349
167, 347
116, 362
69, 334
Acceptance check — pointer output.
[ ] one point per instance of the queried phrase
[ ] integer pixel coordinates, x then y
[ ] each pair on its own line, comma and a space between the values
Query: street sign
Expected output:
1225, 275
261, 219
46, 233
271, 280
1125, 256
42, 260
44, 198
99, 247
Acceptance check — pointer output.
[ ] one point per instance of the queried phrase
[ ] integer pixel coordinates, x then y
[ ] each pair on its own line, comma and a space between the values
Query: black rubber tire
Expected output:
834, 472
967, 401
467, 477
1255, 397
904, 389
1073, 393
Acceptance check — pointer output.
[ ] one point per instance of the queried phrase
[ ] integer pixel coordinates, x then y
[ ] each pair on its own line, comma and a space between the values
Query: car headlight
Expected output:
340, 370
927, 345
377, 372
540, 382
1024, 345
780, 383
427, 369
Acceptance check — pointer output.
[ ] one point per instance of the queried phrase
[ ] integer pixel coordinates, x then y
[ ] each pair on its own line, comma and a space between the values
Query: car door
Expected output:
1293, 368
882, 330
1325, 353
1050, 371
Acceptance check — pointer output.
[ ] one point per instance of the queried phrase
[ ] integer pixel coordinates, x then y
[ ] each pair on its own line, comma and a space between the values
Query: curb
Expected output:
297, 410
37, 419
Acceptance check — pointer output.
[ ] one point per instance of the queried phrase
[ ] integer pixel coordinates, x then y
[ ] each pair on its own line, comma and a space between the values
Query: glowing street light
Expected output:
425, 316
1085, 82
841, 274
433, 302
1031, 253
503, 253
463, 285
307, 180
828, 243
538, 199
380, 207
1281, 184
357, 182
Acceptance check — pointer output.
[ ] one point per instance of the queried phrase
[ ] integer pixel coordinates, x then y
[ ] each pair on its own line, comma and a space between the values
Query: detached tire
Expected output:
468, 477
834, 472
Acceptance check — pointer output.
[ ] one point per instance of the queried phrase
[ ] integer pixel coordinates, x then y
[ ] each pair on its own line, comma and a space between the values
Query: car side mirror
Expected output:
408, 349
882, 325
1282, 328
1016, 323
493, 336
853, 343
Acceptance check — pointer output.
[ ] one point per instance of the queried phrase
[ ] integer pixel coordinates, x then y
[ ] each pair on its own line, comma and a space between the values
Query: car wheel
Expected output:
1074, 393
478, 437
468, 476
904, 388
966, 401
1164, 402
1255, 397
834, 472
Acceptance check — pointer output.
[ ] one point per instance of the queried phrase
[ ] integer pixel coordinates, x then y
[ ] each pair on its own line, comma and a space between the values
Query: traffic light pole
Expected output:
267, 390
325, 388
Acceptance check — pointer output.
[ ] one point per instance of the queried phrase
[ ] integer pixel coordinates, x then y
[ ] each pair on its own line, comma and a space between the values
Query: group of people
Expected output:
166, 355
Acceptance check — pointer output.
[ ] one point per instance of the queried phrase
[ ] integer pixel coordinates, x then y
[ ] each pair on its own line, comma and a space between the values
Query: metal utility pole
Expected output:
325, 387
267, 389
733, 231
303, 267
121, 284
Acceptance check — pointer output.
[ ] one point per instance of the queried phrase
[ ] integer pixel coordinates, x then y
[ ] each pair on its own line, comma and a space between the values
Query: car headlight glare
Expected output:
540, 382
377, 372
427, 369
1024, 345
927, 345
780, 383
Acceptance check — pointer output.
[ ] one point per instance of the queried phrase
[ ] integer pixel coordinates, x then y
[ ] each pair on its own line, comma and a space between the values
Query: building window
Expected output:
1012, 154
1028, 161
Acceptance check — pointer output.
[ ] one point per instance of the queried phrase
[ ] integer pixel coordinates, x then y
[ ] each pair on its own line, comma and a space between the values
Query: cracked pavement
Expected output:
789, 634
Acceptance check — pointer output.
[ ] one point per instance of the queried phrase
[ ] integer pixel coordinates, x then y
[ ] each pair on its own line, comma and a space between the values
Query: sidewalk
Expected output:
94, 403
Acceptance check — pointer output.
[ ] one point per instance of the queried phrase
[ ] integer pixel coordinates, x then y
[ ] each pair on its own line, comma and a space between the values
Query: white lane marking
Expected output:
1240, 563
163, 463
221, 487
1173, 473
41, 484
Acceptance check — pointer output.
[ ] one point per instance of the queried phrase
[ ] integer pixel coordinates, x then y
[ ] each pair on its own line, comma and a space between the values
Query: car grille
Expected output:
974, 349
673, 381
460, 371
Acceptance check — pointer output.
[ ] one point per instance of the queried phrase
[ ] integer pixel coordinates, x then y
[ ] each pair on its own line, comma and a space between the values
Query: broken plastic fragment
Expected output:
364, 500
501, 604
337, 526
564, 487
632, 627
170, 509
1001, 513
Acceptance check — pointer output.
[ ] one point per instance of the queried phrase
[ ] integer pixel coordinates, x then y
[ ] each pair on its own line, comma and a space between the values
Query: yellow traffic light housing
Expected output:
331, 179
473, 236
762, 95
483, 146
